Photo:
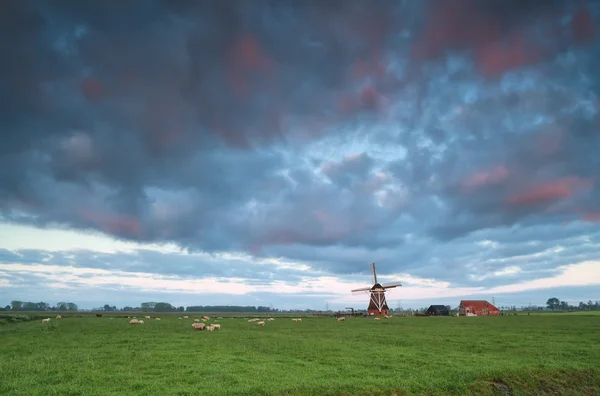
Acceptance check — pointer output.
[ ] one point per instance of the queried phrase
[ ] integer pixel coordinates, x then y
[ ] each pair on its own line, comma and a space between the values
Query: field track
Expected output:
85, 355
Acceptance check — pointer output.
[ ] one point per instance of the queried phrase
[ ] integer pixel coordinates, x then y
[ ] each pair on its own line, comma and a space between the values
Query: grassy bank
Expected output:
542, 354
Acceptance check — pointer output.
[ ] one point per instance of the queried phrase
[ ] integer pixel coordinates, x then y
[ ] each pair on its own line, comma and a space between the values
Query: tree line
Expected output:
143, 307
40, 306
555, 304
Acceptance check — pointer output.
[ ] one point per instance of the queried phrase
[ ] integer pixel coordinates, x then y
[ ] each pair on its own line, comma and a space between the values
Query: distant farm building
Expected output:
477, 308
438, 310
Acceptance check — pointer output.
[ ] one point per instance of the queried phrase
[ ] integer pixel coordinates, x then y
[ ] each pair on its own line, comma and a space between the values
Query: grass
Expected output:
85, 355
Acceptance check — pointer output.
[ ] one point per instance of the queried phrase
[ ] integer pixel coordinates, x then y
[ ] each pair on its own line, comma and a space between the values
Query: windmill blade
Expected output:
391, 285
361, 289
372, 265
360, 292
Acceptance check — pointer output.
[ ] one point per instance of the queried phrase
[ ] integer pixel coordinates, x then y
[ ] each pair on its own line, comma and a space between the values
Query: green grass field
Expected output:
533, 355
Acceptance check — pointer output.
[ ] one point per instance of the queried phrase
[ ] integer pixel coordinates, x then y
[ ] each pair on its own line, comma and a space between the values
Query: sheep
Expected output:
198, 326
271, 319
140, 322
216, 326
147, 317
47, 320
58, 317
209, 328
294, 320
180, 318
157, 318
377, 318
341, 319
206, 318
261, 323
186, 317
196, 320
385, 316
133, 321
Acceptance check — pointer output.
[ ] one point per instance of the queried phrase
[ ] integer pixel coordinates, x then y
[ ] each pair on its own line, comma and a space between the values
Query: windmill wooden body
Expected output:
377, 303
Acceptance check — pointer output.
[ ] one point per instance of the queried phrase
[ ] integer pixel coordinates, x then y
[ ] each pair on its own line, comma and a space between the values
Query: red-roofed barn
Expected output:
477, 308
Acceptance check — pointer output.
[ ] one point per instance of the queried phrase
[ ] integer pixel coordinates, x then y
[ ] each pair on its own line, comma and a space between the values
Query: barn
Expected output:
438, 310
477, 308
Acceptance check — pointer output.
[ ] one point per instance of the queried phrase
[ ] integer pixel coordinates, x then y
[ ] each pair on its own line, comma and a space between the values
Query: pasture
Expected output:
86, 355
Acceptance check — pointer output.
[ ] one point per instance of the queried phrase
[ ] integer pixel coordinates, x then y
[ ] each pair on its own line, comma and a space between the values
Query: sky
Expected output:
264, 153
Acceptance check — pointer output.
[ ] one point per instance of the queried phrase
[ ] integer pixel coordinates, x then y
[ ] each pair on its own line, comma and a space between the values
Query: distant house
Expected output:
477, 308
438, 310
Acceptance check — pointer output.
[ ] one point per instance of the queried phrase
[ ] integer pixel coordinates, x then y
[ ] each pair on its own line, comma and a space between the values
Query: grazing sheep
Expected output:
261, 323
135, 317
205, 318
377, 318
133, 321
58, 317
47, 320
216, 326
385, 316
147, 317
185, 317
294, 320
157, 318
140, 322
271, 319
341, 319
209, 328
196, 320
198, 326
180, 318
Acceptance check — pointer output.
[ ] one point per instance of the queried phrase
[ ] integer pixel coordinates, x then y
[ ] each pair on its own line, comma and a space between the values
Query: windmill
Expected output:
377, 303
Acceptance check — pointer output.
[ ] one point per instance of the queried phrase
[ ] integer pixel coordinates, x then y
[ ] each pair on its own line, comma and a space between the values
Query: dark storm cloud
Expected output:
334, 133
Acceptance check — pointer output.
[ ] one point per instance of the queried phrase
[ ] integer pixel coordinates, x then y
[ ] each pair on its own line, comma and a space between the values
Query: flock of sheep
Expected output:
215, 326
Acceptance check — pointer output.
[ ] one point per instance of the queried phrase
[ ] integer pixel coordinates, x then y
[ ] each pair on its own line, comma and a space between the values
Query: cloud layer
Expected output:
452, 141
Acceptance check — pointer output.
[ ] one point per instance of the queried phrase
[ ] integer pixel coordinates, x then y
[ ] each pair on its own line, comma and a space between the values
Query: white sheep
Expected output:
377, 318
47, 320
198, 326
147, 317
196, 320
216, 326
261, 323
209, 328
341, 319
140, 322
157, 318
185, 317
206, 318
294, 320
58, 317
133, 321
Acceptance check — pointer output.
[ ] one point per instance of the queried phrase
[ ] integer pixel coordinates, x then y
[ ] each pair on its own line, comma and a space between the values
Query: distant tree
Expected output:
180, 309
553, 303
7, 308
18, 305
564, 306
163, 307
148, 306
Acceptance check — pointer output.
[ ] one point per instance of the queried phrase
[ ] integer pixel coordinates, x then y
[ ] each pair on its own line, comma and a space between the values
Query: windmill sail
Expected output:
372, 265
391, 285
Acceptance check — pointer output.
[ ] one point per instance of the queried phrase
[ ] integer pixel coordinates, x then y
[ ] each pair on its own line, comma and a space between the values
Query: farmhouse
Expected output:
438, 310
477, 308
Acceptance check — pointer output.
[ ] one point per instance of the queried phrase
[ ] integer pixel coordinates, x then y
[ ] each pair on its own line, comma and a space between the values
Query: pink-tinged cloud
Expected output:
487, 177
112, 224
549, 191
495, 59
591, 217
583, 27
92, 89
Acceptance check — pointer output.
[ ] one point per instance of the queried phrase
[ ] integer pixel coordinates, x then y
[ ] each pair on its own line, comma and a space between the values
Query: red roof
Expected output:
478, 304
